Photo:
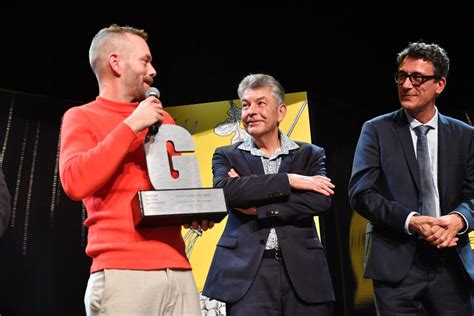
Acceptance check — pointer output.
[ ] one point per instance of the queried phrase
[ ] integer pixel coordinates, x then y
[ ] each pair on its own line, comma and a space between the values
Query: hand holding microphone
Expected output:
148, 114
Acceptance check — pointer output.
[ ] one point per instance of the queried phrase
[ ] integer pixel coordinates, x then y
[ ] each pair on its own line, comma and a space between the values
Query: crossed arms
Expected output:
306, 193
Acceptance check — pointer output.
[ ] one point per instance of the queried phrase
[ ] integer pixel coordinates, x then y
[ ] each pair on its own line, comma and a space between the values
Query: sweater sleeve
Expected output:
85, 163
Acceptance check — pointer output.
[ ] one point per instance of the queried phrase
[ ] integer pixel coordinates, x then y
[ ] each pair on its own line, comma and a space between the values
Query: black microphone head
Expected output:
152, 91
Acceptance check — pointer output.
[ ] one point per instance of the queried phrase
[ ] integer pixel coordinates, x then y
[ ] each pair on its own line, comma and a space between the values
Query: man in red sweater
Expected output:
135, 271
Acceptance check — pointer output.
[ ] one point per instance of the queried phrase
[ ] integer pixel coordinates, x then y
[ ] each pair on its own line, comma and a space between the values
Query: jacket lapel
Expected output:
286, 161
404, 136
444, 149
254, 162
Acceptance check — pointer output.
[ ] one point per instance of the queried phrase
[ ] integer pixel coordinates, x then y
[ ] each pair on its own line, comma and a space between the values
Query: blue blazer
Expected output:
384, 188
240, 249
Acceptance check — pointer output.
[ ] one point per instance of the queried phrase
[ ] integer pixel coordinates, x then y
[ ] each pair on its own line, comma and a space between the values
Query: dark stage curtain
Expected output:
43, 267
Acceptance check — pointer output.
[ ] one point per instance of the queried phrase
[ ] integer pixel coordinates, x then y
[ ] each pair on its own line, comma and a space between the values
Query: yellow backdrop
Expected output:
218, 124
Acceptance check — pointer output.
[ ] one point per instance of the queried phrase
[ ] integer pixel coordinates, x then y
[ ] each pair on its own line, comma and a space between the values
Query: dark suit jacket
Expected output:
240, 249
5, 208
384, 188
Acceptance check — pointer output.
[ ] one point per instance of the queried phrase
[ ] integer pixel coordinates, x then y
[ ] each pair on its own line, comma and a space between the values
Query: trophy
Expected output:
175, 201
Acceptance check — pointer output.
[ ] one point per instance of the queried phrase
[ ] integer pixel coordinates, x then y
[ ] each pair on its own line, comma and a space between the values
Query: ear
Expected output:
114, 63
281, 112
440, 85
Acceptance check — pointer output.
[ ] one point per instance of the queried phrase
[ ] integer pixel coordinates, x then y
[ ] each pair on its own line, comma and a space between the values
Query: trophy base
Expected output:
176, 207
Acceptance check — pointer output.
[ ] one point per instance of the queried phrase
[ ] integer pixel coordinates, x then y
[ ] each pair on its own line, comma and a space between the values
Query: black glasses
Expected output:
416, 78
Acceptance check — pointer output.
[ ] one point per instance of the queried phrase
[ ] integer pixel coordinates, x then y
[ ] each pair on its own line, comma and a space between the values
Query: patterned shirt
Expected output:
270, 166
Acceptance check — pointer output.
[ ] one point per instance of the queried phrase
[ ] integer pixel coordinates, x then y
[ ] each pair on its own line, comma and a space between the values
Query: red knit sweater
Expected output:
102, 162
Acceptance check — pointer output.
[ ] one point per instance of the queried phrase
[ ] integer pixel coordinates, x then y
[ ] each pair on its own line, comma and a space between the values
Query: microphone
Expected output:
152, 91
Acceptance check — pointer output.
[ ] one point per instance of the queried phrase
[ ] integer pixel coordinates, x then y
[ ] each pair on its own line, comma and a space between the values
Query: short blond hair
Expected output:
106, 39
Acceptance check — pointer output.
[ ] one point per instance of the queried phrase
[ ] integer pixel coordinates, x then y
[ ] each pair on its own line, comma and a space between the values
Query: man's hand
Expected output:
147, 113
204, 225
320, 184
232, 173
422, 225
439, 232
445, 230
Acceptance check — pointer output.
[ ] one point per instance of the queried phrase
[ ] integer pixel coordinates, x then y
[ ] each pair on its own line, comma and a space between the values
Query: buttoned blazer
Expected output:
240, 249
384, 188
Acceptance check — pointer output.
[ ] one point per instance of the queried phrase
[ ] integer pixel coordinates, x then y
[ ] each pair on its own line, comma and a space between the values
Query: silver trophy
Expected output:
176, 201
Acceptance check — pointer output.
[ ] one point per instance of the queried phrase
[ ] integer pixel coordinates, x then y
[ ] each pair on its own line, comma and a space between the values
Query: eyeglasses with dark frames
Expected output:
416, 78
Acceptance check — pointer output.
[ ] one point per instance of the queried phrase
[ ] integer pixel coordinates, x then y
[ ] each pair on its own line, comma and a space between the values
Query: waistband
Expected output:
273, 254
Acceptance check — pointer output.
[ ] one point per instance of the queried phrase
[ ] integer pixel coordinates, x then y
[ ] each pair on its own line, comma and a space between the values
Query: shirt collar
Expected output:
286, 145
415, 123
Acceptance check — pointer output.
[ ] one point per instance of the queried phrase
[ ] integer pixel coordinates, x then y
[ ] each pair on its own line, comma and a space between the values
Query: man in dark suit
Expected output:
5, 208
269, 260
418, 257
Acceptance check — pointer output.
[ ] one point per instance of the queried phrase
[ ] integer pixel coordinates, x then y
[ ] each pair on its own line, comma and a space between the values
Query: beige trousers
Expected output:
133, 292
